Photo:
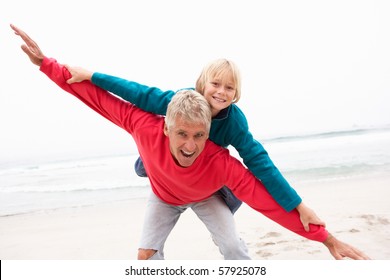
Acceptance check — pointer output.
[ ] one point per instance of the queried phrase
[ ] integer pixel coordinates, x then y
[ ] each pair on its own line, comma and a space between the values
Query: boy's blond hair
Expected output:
217, 69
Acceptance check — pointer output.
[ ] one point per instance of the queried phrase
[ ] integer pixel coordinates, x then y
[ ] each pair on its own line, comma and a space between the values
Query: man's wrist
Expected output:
329, 240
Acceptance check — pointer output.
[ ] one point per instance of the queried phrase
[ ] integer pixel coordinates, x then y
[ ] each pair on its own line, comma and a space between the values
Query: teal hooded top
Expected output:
229, 127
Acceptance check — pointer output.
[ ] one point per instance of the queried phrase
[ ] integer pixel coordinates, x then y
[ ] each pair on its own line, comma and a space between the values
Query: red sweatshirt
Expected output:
174, 184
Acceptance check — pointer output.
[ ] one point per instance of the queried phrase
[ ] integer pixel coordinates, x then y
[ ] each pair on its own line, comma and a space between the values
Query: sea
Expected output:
51, 185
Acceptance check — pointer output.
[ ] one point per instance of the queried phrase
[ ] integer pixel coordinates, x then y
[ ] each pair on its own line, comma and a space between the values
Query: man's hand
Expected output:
30, 48
341, 250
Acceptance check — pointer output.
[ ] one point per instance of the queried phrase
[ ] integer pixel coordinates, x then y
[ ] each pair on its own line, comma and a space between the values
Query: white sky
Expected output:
307, 66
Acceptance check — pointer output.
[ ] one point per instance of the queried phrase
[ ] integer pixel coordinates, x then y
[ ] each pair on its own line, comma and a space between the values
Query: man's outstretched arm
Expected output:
109, 106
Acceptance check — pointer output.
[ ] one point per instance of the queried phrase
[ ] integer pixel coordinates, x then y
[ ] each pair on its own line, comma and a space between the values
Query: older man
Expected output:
185, 169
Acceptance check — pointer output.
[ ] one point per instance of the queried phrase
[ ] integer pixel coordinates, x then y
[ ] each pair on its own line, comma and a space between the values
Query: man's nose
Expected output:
190, 145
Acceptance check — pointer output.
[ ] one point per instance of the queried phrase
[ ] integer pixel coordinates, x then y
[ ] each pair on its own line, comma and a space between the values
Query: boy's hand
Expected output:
308, 216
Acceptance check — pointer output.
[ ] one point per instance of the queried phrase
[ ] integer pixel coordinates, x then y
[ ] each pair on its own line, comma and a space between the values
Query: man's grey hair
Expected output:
191, 106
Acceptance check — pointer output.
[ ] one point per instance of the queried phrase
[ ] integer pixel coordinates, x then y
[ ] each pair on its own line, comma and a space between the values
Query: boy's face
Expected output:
186, 141
219, 93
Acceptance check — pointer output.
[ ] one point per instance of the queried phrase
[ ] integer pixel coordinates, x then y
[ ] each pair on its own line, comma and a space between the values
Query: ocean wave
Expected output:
336, 172
71, 188
328, 134
15, 203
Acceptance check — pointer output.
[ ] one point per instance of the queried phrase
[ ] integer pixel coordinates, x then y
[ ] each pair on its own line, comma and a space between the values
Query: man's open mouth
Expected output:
186, 154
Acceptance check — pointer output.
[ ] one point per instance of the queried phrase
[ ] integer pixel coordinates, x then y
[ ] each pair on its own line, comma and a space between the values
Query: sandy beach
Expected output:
356, 211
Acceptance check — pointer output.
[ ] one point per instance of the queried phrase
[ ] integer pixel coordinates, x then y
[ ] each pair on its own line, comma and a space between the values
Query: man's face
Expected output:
186, 141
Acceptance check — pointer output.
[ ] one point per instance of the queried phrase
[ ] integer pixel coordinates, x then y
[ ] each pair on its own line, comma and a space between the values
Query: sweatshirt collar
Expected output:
223, 114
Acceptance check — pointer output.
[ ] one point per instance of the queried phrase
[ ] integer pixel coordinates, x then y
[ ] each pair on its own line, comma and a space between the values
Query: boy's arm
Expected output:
112, 108
259, 163
150, 99
256, 158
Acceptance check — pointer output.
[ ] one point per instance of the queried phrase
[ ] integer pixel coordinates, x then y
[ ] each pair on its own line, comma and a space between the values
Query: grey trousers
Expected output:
160, 218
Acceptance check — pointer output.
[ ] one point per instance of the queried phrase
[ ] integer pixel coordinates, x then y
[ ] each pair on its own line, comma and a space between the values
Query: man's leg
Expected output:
160, 218
219, 220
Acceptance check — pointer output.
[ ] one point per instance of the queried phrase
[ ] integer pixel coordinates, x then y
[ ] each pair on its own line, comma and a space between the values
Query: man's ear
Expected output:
165, 129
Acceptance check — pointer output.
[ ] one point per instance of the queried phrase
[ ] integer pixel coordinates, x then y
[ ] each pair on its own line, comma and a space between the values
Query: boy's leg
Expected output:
160, 218
230, 199
219, 220
139, 168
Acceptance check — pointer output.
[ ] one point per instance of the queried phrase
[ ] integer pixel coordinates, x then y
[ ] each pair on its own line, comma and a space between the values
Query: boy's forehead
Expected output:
225, 78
